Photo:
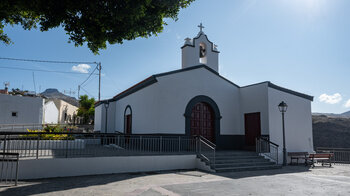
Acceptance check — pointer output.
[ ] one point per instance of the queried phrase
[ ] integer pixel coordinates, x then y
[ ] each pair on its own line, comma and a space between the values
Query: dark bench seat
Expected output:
325, 158
298, 155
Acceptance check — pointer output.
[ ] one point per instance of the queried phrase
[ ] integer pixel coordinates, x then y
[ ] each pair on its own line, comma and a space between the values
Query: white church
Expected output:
197, 100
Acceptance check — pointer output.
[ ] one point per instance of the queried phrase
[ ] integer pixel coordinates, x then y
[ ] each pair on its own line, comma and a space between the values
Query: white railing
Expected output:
206, 150
340, 155
67, 145
267, 148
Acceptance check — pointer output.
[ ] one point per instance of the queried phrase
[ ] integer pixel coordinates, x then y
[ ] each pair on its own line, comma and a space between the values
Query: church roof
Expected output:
153, 79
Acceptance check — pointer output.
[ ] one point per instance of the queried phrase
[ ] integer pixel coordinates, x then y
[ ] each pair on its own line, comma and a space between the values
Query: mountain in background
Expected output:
332, 115
331, 131
55, 94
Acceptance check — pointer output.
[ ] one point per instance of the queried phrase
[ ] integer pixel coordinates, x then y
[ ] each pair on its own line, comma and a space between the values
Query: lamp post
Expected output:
106, 106
283, 108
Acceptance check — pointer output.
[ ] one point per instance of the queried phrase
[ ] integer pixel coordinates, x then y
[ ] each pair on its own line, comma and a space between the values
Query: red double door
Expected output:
202, 121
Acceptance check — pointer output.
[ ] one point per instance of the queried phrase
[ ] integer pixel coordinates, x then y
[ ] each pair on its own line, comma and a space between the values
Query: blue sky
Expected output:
301, 44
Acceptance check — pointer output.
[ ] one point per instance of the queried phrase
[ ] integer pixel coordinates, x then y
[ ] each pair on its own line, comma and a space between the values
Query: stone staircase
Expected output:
234, 161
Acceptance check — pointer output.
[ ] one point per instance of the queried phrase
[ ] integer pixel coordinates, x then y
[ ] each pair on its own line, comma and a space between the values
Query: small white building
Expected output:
15, 109
57, 111
197, 100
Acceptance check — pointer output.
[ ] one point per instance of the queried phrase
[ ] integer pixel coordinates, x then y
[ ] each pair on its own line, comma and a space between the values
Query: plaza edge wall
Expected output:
64, 167
298, 122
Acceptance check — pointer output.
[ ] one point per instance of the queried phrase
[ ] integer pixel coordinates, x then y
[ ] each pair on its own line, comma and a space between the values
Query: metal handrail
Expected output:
266, 140
207, 141
202, 140
268, 148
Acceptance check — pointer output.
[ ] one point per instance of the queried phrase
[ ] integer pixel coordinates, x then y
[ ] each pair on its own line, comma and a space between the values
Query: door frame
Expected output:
214, 106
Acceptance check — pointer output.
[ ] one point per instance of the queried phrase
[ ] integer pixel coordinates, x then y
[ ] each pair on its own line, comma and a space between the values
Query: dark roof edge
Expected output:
255, 84
196, 67
271, 85
147, 82
153, 79
101, 102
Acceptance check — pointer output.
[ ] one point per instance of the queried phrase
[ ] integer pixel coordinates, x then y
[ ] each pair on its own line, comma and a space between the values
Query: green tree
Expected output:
86, 108
94, 22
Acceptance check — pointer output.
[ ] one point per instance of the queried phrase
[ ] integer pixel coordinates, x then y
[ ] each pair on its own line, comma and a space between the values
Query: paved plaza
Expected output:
291, 180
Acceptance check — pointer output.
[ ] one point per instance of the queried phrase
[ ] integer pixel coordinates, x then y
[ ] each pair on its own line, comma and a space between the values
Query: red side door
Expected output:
252, 128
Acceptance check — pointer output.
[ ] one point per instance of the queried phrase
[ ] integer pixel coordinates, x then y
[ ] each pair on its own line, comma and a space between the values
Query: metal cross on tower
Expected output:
201, 27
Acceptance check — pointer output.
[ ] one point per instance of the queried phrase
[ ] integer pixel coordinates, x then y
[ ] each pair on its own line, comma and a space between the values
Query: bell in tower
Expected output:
200, 50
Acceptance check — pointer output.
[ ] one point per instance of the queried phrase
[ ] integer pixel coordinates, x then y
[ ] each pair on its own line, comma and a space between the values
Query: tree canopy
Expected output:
86, 108
94, 22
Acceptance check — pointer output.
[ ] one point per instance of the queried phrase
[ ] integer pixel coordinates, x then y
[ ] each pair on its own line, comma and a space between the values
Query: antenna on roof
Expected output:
7, 84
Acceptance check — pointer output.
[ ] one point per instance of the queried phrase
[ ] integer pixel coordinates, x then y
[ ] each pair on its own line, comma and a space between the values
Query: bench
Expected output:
325, 158
298, 155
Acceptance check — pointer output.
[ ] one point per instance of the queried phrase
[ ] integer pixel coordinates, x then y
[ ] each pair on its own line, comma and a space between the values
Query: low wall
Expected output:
43, 144
48, 168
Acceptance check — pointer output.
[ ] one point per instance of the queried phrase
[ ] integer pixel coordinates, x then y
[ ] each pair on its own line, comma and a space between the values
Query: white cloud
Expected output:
331, 99
82, 68
347, 104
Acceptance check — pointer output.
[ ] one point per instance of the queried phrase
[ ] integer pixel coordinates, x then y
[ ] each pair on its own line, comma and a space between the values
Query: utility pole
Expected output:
99, 81
78, 91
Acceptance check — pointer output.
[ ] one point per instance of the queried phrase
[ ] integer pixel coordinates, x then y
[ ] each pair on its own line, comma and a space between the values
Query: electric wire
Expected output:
46, 61
42, 70
87, 92
89, 76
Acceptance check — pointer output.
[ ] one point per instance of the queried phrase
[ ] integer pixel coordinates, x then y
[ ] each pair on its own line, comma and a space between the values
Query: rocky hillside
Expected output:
331, 131
54, 93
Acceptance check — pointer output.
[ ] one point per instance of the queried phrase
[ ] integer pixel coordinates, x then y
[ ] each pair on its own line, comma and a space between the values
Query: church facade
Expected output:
197, 100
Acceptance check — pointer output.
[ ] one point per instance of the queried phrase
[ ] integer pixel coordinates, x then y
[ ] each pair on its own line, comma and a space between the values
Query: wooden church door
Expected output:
202, 121
252, 128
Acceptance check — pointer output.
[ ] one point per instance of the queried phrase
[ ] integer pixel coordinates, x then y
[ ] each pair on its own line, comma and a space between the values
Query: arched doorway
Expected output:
202, 121
202, 117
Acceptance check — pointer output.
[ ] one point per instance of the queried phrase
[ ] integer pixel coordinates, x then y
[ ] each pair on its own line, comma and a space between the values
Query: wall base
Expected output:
65, 167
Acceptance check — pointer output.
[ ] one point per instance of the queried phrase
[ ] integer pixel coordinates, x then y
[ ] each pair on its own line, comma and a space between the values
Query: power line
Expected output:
46, 61
89, 76
87, 92
42, 70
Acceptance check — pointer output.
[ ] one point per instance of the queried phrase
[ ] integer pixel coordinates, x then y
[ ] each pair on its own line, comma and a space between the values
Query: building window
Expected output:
128, 120
14, 114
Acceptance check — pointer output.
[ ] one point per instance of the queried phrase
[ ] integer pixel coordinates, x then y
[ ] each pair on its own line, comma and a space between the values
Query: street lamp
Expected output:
283, 108
106, 106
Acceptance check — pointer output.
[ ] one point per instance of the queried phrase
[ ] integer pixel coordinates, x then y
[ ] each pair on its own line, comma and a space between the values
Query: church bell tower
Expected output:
200, 50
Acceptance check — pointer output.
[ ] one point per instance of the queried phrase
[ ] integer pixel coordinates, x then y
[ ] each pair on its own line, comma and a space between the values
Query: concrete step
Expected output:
234, 153
245, 164
247, 168
236, 157
260, 159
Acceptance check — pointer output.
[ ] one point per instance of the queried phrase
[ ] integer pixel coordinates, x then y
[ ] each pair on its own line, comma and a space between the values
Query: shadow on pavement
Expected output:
256, 173
42, 186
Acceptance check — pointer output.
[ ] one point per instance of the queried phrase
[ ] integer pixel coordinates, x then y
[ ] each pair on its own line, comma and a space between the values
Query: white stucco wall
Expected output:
298, 122
49, 168
64, 107
254, 99
160, 108
98, 118
29, 109
50, 113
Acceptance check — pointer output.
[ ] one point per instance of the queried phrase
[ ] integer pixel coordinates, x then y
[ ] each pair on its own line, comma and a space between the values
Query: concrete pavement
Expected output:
291, 180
